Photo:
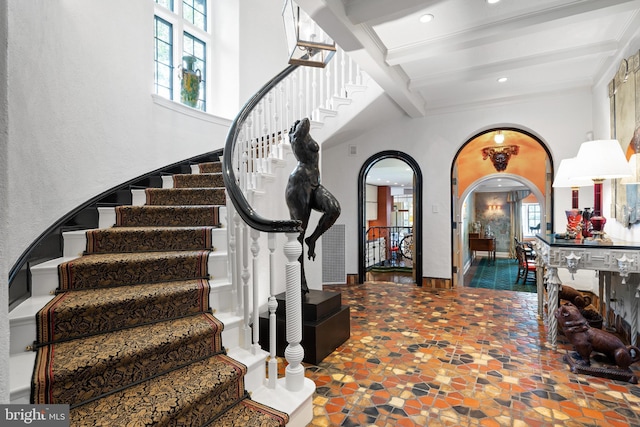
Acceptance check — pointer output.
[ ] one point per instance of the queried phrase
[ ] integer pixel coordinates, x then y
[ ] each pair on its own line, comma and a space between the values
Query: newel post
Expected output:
294, 353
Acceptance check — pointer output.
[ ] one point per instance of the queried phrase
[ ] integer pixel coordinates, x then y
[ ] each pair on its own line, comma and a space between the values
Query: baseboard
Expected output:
436, 283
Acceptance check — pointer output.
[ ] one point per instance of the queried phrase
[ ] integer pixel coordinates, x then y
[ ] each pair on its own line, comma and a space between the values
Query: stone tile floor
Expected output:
462, 357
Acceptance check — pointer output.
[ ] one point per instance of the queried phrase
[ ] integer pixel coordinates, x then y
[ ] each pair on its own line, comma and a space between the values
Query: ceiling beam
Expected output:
365, 48
501, 67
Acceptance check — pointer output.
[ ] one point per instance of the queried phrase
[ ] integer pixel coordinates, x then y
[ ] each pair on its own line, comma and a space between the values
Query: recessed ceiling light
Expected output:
502, 79
492, 1
427, 17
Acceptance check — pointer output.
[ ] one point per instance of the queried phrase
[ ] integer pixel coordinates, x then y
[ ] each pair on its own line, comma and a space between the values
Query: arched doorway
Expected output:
529, 164
417, 214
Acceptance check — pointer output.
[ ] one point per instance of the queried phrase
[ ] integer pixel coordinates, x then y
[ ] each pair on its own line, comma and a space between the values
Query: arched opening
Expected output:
416, 249
527, 168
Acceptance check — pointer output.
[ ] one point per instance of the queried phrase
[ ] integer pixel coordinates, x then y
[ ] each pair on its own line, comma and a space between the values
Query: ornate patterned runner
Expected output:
145, 239
130, 338
167, 216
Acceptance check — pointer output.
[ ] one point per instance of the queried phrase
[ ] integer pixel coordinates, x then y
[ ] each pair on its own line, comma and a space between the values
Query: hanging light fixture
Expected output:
308, 44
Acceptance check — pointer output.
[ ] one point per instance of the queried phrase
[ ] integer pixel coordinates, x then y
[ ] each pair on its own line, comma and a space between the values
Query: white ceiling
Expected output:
454, 61
541, 46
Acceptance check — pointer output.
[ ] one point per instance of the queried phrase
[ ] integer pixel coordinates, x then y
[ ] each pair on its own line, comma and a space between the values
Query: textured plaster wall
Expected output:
561, 121
4, 265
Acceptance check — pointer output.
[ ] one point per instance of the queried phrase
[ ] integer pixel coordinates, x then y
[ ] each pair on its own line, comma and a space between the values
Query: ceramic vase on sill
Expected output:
190, 82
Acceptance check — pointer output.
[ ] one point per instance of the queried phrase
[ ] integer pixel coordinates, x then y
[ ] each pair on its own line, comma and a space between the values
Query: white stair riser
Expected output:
23, 334
138, 197
106, 217
167, 181
75, 243
220, 296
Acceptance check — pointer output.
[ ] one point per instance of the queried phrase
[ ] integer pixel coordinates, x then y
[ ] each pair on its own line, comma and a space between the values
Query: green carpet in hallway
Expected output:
501, 275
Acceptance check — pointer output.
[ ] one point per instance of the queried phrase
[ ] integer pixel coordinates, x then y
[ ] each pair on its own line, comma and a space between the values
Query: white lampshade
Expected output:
602, 159
569, 168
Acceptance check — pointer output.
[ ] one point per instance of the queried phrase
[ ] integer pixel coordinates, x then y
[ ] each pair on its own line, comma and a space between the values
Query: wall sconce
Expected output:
600, 160
308, 44
500, 155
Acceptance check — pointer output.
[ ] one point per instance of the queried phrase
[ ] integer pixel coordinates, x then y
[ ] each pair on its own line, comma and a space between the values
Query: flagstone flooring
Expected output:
463, 357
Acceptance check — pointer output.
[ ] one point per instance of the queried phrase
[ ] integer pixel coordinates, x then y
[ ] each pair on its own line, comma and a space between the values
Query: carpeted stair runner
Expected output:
129, 339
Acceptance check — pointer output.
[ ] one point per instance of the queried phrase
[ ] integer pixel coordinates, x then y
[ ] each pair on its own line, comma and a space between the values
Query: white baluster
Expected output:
328, 88
246, 318
336, 76
294, 353
273, 307
314, 91
255, 250
343, 74
321, 91
231, 212
238, 263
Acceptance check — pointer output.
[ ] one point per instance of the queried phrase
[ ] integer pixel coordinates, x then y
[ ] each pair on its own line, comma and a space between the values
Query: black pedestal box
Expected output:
326, 324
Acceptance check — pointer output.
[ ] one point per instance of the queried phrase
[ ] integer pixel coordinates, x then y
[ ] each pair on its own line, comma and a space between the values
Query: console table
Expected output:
553, 253
483, 244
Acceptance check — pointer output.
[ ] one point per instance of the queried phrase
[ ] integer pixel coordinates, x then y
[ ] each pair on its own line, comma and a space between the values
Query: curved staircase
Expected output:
130, 337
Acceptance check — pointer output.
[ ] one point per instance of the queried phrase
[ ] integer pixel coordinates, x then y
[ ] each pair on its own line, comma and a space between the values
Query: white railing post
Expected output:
238, 263
255, 250
231, 214
294, 353
273, 307
246, 329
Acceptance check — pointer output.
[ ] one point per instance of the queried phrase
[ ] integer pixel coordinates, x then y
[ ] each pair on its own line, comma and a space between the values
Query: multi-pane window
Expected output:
163, 78
181, 41
195, 12
530, 218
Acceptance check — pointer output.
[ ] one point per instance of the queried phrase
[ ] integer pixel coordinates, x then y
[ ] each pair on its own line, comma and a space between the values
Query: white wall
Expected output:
561, 121
262, 34
4, 226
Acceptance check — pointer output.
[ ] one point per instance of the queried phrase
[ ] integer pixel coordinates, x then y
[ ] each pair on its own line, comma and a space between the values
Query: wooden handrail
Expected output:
242, 206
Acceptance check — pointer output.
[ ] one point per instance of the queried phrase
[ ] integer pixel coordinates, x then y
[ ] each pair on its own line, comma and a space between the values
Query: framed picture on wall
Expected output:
624, 99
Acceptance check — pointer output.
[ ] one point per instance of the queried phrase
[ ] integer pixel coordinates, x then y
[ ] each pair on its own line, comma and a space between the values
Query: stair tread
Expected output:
185, 196
250, 413
192, 395
100, 363
114, 269
148, 239
149, 215
117, 308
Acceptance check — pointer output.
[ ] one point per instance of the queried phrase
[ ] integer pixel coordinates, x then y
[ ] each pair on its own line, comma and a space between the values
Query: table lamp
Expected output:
567, 169
599, 160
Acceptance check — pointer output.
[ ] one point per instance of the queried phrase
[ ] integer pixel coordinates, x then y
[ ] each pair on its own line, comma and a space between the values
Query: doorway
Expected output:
528, 166
392, 240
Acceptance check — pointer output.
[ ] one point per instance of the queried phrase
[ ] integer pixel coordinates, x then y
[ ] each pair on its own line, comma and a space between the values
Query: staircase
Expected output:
149, 315
130, 336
